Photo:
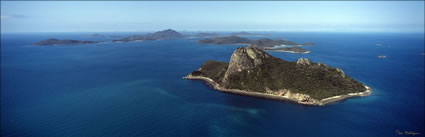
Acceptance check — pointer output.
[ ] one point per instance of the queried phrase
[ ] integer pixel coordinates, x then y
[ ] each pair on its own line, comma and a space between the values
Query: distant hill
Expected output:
164, 34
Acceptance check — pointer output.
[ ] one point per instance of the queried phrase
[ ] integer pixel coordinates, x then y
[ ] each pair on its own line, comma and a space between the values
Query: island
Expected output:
253, 72
280, 45
290, 49
204, 34
55, 42
244, 33
241, 33
382, 56
97, 35
164, 34
230, 40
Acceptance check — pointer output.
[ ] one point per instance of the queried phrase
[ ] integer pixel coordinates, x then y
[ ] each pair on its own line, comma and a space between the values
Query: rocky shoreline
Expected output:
285, 95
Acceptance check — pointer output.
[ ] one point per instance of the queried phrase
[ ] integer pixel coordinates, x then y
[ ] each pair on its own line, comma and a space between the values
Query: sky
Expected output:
135, 16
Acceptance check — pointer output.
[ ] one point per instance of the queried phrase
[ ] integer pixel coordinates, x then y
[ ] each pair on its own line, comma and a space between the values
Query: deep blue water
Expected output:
136, 89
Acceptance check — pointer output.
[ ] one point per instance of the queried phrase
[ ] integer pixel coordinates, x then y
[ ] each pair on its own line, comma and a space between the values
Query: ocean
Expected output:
136, 89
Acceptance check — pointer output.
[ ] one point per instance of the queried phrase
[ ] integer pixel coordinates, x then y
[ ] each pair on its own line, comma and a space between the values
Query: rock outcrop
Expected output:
245, 59
303, 61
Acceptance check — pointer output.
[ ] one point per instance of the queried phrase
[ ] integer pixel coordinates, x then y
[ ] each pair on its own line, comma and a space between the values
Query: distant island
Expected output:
253, 72
54, 42
165, 34
203, 34
226, 40
279, 45
244, 33
382, 56
96, 35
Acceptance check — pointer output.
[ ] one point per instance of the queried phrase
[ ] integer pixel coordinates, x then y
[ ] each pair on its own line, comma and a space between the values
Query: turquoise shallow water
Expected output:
136, 89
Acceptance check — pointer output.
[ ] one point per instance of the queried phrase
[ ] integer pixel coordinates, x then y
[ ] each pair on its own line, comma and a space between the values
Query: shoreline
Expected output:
293, 97
288, 51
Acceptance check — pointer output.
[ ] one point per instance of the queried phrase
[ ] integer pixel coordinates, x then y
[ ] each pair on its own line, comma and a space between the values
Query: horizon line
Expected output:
199, 31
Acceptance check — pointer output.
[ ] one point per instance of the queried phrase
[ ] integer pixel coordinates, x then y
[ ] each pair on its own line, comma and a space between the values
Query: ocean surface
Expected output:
136, 89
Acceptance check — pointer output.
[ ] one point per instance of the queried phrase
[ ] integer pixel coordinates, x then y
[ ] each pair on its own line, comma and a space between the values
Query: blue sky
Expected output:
133, 16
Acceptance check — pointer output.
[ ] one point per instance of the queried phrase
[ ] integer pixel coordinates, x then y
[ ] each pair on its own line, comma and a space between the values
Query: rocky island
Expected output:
253, 72
54, 42
165, 34
279, 45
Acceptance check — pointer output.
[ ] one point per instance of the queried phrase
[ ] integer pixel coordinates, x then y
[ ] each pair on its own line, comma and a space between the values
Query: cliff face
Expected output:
253, 70
245, 59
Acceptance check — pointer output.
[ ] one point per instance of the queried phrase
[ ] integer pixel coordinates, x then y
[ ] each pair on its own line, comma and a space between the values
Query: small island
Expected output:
165, 34
55, 42
253, 72
382, 56
279, 45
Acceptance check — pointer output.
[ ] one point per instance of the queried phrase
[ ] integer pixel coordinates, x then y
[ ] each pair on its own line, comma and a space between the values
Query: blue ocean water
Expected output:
136, 89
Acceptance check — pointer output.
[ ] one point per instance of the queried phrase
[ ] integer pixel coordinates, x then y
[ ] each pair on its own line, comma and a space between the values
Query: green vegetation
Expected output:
317, 80
212, 69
